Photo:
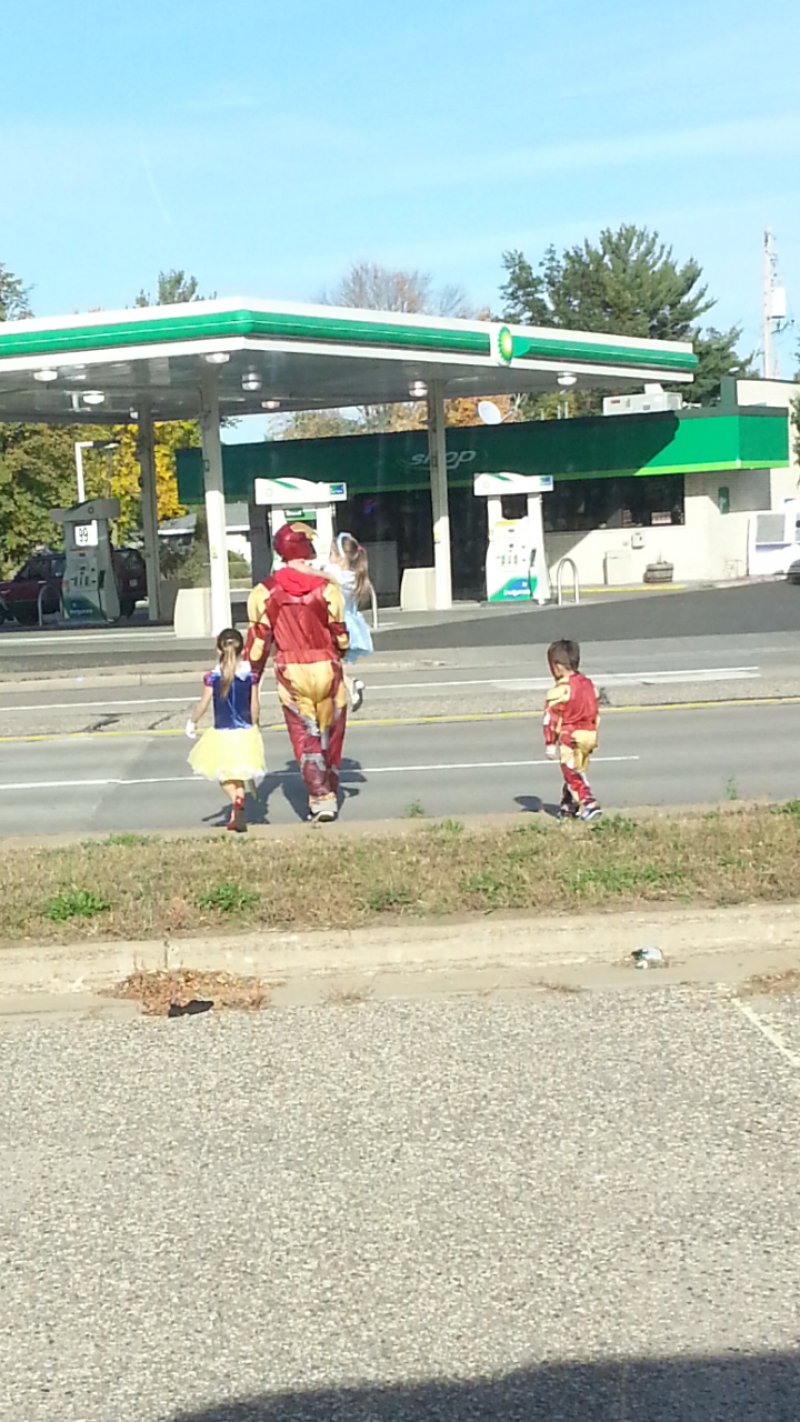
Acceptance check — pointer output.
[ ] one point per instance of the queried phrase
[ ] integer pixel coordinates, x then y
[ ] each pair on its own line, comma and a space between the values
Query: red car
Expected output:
19, 596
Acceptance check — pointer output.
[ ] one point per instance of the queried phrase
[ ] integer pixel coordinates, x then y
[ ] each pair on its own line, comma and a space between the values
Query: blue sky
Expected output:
263, 145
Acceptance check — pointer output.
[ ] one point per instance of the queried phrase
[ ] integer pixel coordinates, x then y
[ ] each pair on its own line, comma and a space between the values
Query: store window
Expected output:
577, 505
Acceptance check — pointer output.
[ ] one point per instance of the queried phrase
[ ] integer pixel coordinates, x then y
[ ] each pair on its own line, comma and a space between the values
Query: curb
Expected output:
701, 946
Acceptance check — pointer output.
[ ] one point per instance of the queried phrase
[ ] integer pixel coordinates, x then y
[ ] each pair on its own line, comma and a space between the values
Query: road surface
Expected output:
760, 612
480, 764
537, 1210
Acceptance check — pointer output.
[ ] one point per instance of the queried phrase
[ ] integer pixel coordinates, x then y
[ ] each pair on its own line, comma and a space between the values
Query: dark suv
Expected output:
19, 596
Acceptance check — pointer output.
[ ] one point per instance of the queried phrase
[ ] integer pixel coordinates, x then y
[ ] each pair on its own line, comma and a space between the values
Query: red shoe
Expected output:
237, 822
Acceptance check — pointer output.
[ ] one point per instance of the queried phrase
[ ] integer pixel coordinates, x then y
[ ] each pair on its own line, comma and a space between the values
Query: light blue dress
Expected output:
355, 622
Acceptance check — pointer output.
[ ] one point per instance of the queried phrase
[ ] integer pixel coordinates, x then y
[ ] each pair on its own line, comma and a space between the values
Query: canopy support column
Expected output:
260, 551
215, 502
145, 449
437, 454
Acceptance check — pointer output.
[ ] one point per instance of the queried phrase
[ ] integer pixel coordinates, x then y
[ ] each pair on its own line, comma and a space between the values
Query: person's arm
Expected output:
199, 711
258, 642
555, 701
255, 703
338, 629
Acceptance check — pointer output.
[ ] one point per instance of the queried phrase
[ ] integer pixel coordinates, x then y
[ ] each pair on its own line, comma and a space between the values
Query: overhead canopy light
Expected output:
45, 375
93, 397
217, 358
270, 404
418, 390
566, 378
251, 380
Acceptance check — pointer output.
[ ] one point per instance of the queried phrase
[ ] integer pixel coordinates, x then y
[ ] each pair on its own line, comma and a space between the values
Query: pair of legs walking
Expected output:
577, 800
314, 702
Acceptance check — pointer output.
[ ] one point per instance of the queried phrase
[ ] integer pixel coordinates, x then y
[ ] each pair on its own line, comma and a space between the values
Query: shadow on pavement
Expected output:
289, 782
534, 805
726, 1388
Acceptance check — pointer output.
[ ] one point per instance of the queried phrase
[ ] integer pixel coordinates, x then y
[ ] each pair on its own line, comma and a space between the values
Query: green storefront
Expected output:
617, 472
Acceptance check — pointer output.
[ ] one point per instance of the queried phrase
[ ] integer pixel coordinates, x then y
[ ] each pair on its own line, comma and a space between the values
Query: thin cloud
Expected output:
773, 136
153, 185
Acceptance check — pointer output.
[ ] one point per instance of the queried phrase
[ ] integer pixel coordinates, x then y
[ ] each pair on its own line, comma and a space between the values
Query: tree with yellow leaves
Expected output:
117, 473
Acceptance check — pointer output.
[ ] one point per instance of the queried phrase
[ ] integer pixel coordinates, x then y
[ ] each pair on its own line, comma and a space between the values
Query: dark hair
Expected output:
230, 645
565, 653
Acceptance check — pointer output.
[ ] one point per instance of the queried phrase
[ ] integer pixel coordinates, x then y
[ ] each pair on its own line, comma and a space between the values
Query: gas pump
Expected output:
516, 564
301, 501
89, 587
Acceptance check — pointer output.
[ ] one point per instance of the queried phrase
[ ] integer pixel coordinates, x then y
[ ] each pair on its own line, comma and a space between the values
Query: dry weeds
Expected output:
772, 984
172, 887
157, 991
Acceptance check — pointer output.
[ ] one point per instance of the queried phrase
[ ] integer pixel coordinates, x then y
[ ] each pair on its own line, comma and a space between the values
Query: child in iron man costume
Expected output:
571, 717
299, 616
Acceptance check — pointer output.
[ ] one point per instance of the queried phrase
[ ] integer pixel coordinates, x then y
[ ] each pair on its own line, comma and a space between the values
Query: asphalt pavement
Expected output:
546, 1209
697, 616
480, 764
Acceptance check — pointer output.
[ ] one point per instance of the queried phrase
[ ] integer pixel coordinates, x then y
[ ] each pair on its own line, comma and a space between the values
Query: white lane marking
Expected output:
107, 705
506, 683
65, 640
772, 1036
98, 782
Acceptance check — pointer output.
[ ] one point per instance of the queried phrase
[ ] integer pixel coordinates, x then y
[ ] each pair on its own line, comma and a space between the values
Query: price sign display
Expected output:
86, 535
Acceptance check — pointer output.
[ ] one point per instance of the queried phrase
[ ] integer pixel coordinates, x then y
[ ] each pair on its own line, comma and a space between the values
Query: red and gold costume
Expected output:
571, 716
299, 617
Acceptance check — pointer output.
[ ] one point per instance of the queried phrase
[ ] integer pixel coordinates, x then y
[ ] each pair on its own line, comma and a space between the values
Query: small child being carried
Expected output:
571, 717
232, 752
347, 566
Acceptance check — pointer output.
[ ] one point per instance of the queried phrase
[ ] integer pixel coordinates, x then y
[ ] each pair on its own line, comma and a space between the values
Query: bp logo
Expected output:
502, 345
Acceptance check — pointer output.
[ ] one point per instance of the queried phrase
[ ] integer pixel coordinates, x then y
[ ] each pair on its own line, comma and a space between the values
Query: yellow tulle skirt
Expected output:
230, 755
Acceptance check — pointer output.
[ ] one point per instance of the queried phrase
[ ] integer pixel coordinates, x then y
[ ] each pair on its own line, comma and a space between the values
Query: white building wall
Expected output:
781, 394
709, 546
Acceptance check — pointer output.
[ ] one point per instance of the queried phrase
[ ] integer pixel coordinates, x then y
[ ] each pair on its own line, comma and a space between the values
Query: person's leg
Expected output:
568, 808
234, 789
304, 690
584, 744
333, 744
570, 799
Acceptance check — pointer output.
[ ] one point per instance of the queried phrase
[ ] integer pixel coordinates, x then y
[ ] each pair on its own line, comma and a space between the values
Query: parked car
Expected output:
19, 596
131, 571
793, 572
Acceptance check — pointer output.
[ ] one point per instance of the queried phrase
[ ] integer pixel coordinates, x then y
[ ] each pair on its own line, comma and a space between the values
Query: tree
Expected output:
122, 480
13, 296
174, 286
319, 424
628, 284
372, 287
37, 474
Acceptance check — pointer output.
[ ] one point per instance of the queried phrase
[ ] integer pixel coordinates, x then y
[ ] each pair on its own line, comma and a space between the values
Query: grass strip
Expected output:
132, 886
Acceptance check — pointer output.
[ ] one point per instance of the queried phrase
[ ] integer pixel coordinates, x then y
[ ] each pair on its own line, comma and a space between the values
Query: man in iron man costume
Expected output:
299, 617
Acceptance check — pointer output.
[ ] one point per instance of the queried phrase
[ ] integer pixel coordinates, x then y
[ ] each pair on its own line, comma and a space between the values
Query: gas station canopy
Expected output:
302, 357
234, 357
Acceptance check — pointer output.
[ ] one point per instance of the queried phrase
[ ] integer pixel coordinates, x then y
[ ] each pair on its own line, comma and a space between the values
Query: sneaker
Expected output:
590, 811
322, 814
358, 696
237, 823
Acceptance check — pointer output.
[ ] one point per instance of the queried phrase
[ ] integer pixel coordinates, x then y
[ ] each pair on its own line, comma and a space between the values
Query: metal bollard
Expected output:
576, 586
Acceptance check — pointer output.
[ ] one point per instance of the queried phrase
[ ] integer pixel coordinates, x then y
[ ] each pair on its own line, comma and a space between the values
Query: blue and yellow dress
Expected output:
232, 749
